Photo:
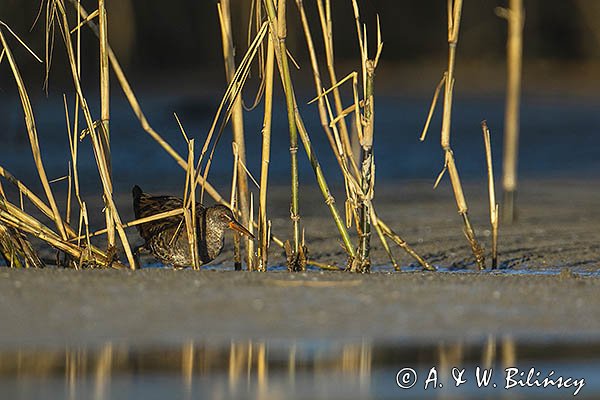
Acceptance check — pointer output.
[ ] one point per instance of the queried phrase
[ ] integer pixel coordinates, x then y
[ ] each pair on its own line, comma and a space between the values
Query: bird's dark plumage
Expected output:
167, 238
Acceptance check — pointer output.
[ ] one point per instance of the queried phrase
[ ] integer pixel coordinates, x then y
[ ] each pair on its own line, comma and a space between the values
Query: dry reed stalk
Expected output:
150, 218
492, 193
8, 248
436, 95
365, 138
237, 121
24, 223
226, 105
189, 212
189, 200
237, 255
402, 243
33, 137
72, 174
317, 76
515, 18
98, 148
281, 33
40, 205
331, 132
137, 110
321, 181
250, 249
263, 228
334, 137
289, 89
105, 113
14, 246
327, 30
454, 15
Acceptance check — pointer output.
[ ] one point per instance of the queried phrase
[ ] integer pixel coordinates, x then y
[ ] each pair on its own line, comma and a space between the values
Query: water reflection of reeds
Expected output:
259, 369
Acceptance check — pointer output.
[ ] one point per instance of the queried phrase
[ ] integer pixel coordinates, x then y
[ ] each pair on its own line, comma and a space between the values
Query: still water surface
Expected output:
276, 369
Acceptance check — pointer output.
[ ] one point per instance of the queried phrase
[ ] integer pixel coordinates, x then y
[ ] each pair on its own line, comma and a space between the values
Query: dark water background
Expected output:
560, 137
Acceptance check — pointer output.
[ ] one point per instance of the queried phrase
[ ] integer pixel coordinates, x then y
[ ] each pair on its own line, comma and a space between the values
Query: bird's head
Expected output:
223, 217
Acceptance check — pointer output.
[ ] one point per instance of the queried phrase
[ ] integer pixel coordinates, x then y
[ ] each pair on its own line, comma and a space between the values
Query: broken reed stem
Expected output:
402, 243
492, 193
9, 248
40, 205
334, 137
13, 245
367, 169
436, 95
515, 18
98, 149
237, 118
13, 216
33, 137
263, 229
329, 199
105, 113
454, 15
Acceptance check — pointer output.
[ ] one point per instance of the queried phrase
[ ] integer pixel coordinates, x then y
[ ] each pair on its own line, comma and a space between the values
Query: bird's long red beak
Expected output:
236, 226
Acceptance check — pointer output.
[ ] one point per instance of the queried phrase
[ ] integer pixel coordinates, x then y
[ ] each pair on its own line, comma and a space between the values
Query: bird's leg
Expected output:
136, 254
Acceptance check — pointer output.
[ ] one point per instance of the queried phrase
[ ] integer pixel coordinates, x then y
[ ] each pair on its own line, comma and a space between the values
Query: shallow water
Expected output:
527, 271
252, 369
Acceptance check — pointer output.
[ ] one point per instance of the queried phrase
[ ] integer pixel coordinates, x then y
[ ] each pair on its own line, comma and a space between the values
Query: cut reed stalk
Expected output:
105, 114
492, 193
263, 228
454, 16
237, 120
515, 18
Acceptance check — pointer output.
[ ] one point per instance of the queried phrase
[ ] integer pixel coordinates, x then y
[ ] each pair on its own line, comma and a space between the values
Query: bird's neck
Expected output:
214, 242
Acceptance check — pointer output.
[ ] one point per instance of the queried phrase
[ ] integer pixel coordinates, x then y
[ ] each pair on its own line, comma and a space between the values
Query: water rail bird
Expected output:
167, 238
